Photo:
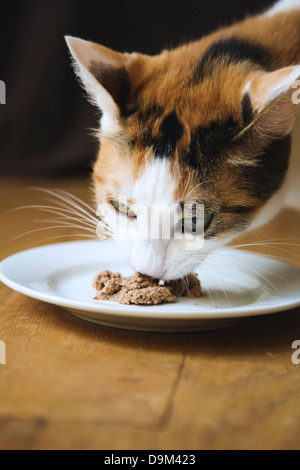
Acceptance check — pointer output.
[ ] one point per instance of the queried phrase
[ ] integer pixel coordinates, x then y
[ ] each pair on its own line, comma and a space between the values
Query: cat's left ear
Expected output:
105, 76
270, 101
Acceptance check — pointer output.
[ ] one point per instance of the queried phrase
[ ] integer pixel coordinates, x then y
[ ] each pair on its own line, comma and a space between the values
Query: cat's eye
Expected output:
194, 224
123, 208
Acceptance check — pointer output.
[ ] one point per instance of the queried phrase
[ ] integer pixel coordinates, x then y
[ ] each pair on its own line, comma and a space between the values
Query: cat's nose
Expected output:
149, 259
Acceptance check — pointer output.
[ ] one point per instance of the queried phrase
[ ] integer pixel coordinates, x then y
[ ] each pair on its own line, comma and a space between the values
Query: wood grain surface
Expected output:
69, 384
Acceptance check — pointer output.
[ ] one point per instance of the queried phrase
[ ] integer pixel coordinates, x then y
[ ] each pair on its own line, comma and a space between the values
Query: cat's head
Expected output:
189, 125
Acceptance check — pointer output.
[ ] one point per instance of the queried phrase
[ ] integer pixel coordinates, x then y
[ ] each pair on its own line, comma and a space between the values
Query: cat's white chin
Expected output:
175, 263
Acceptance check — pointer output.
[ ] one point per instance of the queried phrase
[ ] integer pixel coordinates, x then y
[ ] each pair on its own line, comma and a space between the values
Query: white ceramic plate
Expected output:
237, 284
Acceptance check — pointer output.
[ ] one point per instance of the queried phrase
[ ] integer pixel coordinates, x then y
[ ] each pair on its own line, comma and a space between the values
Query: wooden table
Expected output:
69, 384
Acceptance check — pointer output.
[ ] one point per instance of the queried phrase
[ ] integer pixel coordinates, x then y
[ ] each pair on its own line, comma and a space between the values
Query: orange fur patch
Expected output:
163, 84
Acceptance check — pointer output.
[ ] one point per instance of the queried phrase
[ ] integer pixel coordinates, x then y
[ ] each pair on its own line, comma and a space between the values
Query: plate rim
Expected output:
140, 311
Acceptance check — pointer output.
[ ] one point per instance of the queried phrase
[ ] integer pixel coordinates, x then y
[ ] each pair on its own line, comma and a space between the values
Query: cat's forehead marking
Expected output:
165, 135
191, 134
170, 132
159, 131
155, 184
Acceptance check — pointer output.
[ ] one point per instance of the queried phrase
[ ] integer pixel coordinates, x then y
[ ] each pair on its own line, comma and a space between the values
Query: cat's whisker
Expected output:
71, 213
280, 239
59, 237
58, 193
68, 225
62, 222
209, 293
185, 282
50, 228
295, 255
215, 257
82, 222
64, 213
93, 132
264, 270
206, 288
66, 200
269, 245
55, 209
66, 205
198, 186
247, 266
187, 183
89, 212
64, 219
82, 214
275, 257
221, 284
240, 273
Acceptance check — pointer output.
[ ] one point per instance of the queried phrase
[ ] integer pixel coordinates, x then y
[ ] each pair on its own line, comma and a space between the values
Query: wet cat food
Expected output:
143, 290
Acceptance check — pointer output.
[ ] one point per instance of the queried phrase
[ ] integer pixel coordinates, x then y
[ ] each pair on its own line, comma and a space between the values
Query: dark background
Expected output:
44, 127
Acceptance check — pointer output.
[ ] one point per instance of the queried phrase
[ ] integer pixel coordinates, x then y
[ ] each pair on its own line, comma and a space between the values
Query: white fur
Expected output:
156, 186
83, 54
283, 5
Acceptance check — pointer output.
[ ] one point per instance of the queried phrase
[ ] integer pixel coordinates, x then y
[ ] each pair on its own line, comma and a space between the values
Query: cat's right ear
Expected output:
270, 102
104, 75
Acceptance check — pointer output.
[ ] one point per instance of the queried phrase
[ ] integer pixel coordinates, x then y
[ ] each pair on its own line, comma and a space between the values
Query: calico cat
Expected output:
212, 121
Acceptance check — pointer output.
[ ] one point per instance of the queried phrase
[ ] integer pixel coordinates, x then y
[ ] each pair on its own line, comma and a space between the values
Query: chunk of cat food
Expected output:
190, 287
143, 290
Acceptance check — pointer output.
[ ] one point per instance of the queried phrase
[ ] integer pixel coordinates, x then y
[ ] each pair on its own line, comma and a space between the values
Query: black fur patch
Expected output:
267, 178
115, 81
171, 132
208, 141
247, 110
231, 50
147, 138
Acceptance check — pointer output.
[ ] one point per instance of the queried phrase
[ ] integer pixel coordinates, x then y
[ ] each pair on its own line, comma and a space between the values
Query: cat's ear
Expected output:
270, 102
104, 75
